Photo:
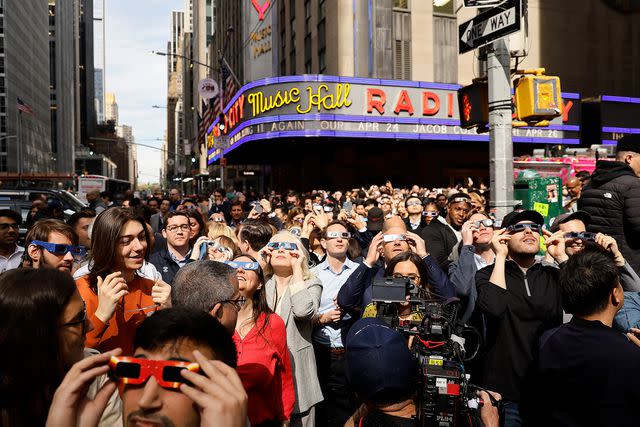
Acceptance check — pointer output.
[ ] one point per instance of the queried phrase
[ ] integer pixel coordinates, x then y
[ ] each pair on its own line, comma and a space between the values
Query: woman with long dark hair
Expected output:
263, 357
118, 299
198, 227
42, 334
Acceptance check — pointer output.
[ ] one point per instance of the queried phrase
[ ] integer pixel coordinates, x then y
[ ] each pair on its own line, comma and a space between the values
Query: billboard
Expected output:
259, 52
352, 107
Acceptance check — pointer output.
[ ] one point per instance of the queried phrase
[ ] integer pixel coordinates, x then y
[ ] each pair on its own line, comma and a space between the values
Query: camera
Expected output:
444, 392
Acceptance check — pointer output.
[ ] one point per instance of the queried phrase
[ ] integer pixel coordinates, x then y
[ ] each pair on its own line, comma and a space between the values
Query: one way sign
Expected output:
490, 25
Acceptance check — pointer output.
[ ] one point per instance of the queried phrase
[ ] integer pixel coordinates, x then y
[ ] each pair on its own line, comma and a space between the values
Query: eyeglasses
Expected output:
516, 228
338, 235
59, 249
412, 277
485, 222
431, 214
5, 226
582, 235
393, 237
289, 246
174, 228
236, 303
130, 370
80, 321
245, 265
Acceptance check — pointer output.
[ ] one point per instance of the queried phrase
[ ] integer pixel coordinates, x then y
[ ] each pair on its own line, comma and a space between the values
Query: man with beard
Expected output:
519, 298
10, 252
52, 244
442, 235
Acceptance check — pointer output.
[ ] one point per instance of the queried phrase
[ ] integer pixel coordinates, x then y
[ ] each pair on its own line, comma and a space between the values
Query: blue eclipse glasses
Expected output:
59, 249
245, 265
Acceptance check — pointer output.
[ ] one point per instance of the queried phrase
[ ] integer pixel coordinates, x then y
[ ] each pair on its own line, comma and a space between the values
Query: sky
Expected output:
137, 78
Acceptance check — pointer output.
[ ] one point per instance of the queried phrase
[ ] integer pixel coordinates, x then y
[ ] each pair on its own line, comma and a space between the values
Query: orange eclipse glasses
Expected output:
130, 370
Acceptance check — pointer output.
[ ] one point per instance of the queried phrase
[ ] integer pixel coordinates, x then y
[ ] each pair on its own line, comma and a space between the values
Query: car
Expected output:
20, 200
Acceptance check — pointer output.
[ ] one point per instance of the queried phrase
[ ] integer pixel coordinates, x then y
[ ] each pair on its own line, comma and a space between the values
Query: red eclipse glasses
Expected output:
130, 370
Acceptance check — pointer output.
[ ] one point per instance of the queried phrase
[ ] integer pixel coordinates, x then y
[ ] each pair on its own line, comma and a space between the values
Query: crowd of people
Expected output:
244, 309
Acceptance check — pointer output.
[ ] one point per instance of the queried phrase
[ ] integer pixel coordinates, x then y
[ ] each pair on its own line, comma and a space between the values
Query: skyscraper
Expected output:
99, 56
111, 108
25, 138
63, 44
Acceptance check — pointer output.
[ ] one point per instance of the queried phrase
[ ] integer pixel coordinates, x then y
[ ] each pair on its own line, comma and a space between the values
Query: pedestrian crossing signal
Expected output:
473, 104
538, 97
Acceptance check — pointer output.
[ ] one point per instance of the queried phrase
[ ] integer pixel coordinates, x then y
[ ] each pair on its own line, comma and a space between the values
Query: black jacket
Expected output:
165, 265
587, 375
612, 197
515, 317
418, 230
440, 240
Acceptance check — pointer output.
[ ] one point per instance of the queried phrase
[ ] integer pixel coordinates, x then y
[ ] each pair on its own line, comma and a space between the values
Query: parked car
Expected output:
20, 201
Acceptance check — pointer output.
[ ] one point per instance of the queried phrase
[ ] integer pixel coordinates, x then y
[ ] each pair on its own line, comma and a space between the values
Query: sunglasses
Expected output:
130, 370
582, 235
338, 235
245, 265
289, 246
393, 237
516, 228
59, 249
485, 222
431, 214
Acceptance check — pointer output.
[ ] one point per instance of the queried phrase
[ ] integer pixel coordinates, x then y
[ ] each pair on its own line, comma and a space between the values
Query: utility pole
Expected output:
500, 136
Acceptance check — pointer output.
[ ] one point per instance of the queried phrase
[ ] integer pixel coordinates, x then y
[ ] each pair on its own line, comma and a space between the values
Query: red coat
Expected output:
265, 370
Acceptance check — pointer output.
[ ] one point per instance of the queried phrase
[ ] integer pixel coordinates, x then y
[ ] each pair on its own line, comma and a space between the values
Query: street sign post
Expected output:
490, 26
482, 3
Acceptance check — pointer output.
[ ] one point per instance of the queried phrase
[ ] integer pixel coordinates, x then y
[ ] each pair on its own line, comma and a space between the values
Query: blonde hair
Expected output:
217, 229
306, 273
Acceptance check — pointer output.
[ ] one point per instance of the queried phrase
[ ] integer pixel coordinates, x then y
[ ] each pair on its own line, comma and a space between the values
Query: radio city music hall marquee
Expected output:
328, 106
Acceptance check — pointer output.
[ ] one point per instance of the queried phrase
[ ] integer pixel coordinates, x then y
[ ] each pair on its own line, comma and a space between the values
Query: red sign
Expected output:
261, 8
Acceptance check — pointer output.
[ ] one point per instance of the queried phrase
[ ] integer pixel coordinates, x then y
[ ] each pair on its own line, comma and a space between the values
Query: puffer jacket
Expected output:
612, 198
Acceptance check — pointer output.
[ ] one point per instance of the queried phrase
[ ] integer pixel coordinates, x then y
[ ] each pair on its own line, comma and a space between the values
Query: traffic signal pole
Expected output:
500, 137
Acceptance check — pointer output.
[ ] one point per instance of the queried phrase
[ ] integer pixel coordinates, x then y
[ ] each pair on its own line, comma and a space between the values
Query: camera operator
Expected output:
394, 239
587, 373
519, 298
383, 374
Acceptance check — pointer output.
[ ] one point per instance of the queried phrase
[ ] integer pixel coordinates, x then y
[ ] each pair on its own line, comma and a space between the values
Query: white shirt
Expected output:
12, 261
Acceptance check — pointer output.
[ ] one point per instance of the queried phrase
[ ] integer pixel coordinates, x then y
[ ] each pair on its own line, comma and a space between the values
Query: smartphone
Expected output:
259, 208
317, 209
348, 207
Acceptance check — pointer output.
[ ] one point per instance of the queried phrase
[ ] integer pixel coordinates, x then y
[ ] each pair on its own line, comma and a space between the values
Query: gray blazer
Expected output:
297, 311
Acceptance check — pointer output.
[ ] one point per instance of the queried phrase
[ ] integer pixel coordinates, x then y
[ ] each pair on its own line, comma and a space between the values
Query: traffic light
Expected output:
221, 122
473, 104
537, 96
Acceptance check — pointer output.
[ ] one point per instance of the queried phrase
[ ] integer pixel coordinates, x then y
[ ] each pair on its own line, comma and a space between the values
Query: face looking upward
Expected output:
336, 247
148, 404
573, 246
525, 242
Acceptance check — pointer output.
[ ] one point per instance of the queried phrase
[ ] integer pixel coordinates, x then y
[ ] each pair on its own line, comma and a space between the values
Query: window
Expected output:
402, 45
401, 4
307, 16
292, 61
322, 65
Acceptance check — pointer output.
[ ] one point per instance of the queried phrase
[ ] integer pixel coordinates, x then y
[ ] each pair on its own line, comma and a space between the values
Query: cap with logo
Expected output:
375, 218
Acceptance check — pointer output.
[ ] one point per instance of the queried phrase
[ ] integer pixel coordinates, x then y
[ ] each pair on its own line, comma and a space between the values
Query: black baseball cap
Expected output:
517, 216
629, 143
569, 216
378, 361
375, 218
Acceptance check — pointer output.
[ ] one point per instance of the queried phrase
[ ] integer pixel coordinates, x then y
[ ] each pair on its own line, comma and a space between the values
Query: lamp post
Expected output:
155, 52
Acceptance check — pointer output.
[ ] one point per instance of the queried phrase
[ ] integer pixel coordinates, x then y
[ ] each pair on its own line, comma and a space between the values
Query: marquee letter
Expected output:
404, 103
565, 111
378, 103
430, 111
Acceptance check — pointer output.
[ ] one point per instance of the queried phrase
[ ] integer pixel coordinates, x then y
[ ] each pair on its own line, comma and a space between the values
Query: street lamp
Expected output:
154, 52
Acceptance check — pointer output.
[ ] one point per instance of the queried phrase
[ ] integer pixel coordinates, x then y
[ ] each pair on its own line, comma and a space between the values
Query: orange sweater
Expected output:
120, 329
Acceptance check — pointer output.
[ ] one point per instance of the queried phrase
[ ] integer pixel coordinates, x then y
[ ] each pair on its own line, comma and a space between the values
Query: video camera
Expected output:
444, 394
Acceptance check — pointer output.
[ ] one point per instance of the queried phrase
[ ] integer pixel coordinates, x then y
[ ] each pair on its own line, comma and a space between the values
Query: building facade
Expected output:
111, 108
63, 63
99, 57
25, 139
